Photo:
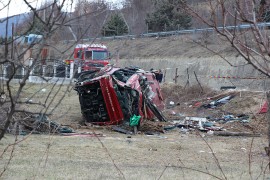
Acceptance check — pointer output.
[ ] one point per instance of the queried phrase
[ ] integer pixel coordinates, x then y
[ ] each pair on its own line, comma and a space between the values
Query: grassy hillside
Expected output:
188, 46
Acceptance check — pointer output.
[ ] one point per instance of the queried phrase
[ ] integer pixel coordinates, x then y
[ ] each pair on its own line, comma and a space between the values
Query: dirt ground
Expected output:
100, 153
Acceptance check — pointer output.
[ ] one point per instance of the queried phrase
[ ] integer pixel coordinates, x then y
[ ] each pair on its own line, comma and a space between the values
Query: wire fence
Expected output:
65, 73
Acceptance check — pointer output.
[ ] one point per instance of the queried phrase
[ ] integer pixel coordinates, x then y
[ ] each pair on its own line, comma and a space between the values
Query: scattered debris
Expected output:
84, 134
226, 133
183, 130
227, 111
152, 149
196, 122
134, 120
227, 87
219, 102
121, 130
229, 118
38, 124
264, 108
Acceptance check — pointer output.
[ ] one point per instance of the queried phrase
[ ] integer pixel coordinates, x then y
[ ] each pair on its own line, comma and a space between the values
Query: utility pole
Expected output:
44, 11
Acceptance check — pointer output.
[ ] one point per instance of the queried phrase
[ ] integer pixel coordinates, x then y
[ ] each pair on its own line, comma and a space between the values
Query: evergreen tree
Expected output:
266, 16
169, 15
264, 11
115, 26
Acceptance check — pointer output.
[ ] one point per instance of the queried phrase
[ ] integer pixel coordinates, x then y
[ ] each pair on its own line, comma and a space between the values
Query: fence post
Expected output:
164, 76
66, 71
43, 70
54, 70
176, 76
4, 71
30, 64
71, 69
117, 58
30, 78
23, 72
187, 84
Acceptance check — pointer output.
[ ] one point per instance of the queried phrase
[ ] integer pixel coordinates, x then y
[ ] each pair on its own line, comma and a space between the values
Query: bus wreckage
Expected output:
111, 96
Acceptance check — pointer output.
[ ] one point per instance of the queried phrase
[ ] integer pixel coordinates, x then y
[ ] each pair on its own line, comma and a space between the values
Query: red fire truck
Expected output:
91, 56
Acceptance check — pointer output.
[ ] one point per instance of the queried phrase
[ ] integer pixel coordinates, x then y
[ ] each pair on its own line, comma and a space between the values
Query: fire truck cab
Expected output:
91, 56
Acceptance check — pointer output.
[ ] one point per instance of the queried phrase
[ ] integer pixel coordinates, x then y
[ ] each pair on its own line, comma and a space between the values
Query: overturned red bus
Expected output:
113, 95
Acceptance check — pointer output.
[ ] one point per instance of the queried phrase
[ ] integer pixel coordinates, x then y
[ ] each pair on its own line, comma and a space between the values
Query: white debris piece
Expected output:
171, 103
198, 120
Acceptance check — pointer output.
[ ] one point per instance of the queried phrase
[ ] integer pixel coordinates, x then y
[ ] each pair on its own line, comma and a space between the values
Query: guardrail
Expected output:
179, 32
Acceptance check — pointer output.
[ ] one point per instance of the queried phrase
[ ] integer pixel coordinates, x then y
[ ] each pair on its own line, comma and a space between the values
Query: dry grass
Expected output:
179, 93
166, 47
139, 157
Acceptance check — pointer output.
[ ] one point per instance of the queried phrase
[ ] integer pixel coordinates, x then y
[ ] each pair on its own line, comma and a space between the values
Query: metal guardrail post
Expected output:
193, 34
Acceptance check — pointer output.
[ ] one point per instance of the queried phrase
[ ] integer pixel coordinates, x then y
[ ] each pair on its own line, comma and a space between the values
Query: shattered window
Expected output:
79, 54
88, 54
100, 55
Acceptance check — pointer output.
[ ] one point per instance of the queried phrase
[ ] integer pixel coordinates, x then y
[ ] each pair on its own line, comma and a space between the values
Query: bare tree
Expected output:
248, 33
91, 16
135, 12
19, 61
13, 57
251, 43
47, 12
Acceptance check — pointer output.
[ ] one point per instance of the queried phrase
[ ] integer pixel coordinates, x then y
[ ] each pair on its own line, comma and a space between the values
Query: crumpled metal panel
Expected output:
111, 101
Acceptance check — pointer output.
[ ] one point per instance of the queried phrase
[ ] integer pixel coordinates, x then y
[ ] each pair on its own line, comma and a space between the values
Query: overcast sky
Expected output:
19, 6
